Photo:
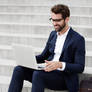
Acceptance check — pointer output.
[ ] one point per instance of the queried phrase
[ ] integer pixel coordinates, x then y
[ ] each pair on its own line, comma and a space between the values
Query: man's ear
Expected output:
67, 19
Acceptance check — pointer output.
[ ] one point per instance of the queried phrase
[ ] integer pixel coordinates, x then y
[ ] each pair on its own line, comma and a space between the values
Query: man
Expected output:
64, 55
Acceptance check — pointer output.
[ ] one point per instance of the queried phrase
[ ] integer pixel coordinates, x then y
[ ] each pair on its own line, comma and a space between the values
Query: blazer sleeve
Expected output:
45, 53
79, 57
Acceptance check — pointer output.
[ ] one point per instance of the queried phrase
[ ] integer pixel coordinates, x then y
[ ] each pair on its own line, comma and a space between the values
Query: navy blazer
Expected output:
73, 54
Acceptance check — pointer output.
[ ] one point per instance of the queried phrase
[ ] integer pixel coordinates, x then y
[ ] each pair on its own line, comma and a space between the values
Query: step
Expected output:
43, 9
72, 2
82, 20
42, 45
88, 70
88, 44
5, 81
42, 18
25, 29
33, 36
7, 67
31, 39
41, 5
48, 2
4, 88
24, 9
36, 49
6, 52
4, 34
42, 24
85, 31
40, 29
32, 17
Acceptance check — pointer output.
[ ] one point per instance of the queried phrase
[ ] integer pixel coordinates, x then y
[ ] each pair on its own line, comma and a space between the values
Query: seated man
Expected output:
64, 56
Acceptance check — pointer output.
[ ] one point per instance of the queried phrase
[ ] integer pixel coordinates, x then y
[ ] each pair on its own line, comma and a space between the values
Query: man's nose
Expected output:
54, 23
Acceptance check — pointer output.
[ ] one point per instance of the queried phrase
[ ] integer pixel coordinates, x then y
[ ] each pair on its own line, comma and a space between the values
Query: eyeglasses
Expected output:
55, 20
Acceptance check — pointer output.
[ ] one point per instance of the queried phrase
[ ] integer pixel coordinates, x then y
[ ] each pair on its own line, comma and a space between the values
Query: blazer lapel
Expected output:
68, 40
53, 43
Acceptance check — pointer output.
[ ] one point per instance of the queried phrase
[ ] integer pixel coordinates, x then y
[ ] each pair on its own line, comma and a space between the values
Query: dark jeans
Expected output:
40, 79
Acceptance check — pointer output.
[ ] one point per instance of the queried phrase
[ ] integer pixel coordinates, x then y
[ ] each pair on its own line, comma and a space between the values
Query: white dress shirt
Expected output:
58, 48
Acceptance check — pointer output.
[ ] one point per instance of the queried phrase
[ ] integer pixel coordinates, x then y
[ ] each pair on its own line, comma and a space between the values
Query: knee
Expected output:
38, 75
35, 74
18, 70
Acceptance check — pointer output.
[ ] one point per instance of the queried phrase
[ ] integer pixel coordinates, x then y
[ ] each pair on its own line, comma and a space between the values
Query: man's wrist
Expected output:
62, 66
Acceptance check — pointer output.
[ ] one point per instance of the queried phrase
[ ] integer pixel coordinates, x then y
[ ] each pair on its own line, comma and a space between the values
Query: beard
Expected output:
60, 28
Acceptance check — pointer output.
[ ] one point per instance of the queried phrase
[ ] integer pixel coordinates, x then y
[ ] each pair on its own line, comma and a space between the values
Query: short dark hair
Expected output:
61, 9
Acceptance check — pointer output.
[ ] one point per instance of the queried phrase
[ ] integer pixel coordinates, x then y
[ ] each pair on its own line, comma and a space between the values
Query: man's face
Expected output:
58, 22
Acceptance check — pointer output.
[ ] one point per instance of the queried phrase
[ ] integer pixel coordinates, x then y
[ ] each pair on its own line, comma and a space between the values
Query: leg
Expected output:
19, 75
53, 80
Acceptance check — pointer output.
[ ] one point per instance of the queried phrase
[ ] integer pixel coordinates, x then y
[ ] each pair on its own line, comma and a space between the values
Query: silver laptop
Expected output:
25, 56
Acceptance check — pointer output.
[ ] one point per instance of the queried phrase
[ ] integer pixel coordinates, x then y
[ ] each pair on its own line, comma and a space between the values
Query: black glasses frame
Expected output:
55, 20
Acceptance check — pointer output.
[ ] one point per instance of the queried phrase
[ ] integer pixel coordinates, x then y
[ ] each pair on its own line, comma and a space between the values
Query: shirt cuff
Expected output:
63, 67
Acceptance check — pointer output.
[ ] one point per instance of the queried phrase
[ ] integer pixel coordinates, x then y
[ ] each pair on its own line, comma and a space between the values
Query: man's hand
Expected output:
52, 65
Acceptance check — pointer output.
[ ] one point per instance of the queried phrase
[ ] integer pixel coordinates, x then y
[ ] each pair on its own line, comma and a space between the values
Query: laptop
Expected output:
25, 56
